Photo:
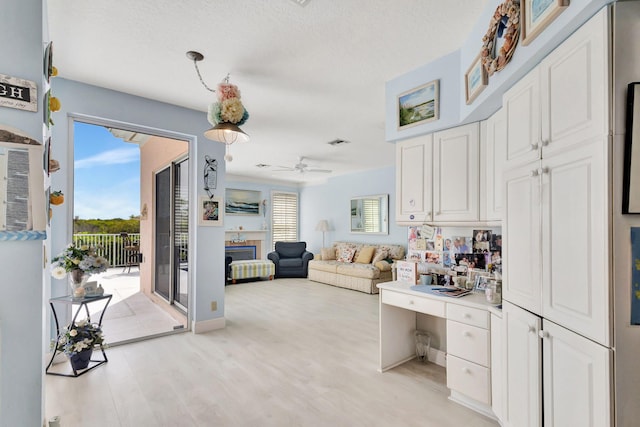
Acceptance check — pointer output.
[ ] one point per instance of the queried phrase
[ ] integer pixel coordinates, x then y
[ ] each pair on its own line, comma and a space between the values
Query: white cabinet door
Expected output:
574, 88
575, 241
521, 104
456, 173
521, 368
497, 367
576, 378
495, 152
521, 237
414, 179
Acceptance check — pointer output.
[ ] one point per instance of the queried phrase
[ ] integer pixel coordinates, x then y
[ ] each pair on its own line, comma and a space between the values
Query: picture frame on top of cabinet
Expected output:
475, 80
419, 105
631, 174
536, 15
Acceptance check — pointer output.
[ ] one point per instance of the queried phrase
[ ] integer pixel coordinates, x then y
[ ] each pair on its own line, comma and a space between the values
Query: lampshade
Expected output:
323, 225
227, 133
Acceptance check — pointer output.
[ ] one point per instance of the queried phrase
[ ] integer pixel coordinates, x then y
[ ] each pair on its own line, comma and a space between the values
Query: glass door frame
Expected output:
189, 138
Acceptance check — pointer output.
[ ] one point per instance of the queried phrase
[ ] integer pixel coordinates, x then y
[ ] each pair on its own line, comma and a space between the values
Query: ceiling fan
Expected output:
301, 167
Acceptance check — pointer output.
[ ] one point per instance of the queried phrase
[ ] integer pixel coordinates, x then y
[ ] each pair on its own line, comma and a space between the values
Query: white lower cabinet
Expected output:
544, 362
469, 353
497, 366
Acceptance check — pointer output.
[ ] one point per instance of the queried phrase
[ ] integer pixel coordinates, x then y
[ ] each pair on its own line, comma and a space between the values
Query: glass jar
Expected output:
493, 292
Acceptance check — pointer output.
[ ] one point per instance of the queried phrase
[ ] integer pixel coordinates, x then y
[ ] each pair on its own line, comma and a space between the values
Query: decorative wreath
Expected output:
507, 16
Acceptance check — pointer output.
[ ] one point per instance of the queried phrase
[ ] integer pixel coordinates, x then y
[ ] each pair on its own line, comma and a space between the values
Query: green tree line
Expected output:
107, 226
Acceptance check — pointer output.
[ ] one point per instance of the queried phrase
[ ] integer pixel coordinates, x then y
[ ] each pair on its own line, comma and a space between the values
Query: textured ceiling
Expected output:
308, 75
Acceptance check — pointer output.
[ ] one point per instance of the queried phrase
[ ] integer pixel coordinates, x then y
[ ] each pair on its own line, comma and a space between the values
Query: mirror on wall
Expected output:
370, 214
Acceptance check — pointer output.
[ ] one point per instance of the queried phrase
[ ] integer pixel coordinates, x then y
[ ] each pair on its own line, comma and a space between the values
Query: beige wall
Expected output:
155, 154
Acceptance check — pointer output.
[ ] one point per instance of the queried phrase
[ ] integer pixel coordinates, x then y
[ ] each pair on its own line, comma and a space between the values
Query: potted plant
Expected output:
56, 198
80, 262
78, 340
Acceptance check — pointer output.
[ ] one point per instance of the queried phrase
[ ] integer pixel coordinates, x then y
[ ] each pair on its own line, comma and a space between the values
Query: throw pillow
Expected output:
365, 255
383, 265
328, 254
346, 254
380, 255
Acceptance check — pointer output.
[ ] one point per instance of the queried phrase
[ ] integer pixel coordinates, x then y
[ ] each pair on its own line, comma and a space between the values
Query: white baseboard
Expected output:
463, 400
438, 357
208, 325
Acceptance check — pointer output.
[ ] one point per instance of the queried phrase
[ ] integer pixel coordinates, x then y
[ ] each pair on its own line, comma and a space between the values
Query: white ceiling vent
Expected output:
302, 3
338, 142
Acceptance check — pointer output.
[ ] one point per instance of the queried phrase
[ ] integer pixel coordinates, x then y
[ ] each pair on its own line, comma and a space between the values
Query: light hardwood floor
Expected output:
294, 353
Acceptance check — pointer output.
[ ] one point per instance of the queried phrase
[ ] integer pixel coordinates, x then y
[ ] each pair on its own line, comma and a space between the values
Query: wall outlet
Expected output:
214, 305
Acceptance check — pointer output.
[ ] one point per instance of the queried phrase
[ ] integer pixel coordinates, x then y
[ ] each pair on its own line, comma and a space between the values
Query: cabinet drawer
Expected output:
469, 379
468, 342
470, 316
414, 303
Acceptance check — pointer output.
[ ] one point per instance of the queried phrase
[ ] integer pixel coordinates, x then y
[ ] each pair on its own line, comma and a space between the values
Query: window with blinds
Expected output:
284, 217
371, 215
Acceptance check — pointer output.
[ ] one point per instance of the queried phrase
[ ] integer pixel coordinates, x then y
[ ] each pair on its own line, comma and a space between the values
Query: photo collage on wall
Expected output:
479, 249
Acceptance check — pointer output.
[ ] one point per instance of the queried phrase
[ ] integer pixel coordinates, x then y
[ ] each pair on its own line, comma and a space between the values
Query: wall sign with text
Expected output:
18, 93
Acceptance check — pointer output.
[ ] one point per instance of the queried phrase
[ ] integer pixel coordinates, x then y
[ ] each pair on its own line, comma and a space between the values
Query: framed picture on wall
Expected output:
631, 174
210, 211
242, 202
419, 105
536, 15
475, 80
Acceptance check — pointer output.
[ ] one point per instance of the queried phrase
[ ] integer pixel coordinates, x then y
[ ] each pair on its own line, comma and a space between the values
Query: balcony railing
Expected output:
110, 246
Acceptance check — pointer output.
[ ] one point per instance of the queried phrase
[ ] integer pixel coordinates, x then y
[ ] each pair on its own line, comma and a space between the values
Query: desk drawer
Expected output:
470, 316
468, 342
414, 303
469, 379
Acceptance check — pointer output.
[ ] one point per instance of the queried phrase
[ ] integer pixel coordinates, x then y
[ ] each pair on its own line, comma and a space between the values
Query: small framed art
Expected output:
419, 105
475, 80
631, 174
536, 15
210, 211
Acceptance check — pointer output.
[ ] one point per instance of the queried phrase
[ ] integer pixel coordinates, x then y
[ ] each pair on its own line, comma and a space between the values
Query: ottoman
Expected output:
253, 268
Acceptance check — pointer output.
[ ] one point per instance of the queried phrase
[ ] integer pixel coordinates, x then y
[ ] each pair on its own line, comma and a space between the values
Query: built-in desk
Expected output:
468, 338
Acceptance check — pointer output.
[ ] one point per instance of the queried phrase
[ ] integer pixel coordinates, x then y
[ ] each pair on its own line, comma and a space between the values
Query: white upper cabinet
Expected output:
563, 101
494, 152
414, 180
521, 106
556, 242
456, 171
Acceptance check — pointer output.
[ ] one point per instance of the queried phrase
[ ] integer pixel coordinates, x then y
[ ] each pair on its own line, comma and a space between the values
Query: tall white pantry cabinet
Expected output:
566, 246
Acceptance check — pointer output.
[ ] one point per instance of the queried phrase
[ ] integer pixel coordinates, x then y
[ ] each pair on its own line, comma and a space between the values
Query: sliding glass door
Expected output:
172, 233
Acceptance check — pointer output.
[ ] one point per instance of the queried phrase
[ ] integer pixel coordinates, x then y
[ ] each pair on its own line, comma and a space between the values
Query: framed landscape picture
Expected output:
475, 80
242, 202
536, 15
419, 105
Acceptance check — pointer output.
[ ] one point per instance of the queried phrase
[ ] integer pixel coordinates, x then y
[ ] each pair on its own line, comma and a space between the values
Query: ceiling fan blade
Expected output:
319, 170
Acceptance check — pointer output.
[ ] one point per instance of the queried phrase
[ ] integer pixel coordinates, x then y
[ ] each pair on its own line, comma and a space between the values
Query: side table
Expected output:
80, 302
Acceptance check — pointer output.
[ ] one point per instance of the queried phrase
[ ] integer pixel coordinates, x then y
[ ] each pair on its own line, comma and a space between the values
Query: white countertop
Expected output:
475, 300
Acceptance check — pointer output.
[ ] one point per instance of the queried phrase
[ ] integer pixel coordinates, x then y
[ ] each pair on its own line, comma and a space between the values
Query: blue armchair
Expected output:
291, 259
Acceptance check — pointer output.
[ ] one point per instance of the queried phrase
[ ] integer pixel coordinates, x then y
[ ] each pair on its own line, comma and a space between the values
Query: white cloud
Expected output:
111, 157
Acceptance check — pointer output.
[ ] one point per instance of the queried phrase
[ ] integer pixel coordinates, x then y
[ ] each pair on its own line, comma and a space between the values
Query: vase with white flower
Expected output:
79, 262
78, 340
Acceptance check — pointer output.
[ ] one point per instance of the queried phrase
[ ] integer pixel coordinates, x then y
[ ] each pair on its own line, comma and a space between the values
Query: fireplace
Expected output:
239, 253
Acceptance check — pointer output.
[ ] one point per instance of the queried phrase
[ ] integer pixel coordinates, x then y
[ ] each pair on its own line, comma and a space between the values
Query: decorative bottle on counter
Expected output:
493, 292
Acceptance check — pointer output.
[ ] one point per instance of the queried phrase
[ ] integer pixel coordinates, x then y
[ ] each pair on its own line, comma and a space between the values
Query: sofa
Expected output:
357, 266
291, 259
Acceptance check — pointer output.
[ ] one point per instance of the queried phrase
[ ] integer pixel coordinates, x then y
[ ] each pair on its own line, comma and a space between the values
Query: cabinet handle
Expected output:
466, 334
534, 172
544, 170
545, 142
543, 334
466, 316
532, 329
466, 370
534, 146
410, 302
412, 202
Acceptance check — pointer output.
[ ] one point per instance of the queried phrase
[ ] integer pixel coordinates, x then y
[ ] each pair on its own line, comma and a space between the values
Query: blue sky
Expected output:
107, 174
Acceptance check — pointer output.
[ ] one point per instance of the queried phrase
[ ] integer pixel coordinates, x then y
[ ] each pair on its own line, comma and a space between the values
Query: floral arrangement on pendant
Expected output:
228, 108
